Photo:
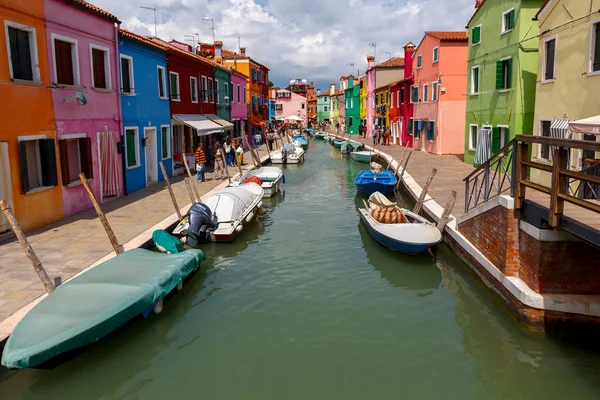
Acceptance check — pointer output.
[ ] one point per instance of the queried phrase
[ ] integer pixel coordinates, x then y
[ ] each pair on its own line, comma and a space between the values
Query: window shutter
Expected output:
506, 136
125, 76
430, 130
99, 69
476, 34
596, 61
550, 49
476, 80
48, 162
23, 167
64, 62
20, 54
511, 20
499, 76
509, 74
410, 126
130, 142
87, 164
416, 130
495, 140
64, 162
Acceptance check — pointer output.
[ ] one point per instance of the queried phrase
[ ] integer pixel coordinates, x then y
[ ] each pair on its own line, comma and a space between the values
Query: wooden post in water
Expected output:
403, 154
33, 258
403, 169
192, 183
188, 185
226, 166
173, 199
447, 210
109, 232
267, 144
419, 204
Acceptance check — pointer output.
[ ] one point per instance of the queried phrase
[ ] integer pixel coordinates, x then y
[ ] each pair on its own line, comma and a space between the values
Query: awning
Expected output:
559, 129
293, 118
587, 126
203, 125
227, 126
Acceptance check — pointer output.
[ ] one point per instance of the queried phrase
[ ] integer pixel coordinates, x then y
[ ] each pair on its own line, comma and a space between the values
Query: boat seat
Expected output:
389, 215
375, 167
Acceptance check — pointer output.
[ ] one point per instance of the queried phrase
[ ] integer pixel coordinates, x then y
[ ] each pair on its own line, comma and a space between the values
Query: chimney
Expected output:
218, 45
371, 61
243, 51
409, 51
318, 92
331, 88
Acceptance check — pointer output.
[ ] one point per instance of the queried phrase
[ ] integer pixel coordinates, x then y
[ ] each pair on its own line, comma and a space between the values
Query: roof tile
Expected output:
393, 62
94, 9
450, 36
142, 39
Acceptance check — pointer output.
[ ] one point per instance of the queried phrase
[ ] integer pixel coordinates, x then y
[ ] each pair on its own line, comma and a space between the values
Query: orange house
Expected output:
28, 154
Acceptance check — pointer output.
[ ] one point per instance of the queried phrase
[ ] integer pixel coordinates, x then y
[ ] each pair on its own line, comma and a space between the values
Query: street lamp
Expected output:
213, 26
387, 52
153, 9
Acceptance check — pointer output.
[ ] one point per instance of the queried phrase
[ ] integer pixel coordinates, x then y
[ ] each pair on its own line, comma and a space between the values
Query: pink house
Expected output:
370, 94
82, 53
289, 104
239, 107
438, 92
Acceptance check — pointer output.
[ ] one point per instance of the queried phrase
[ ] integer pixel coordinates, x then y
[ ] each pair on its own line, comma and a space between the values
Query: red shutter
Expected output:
64, 162
64, 62
99, 69
87, 165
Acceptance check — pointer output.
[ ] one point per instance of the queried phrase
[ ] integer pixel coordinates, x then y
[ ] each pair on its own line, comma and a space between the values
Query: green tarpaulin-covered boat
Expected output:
94, 304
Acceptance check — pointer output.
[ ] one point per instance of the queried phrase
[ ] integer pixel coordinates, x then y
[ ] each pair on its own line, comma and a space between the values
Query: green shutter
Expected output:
164, 142
48, 162
410, 126
506, 136
495, 140
430, 130
476, 81
499, 76
417, 132
509, 80
476, 35
511, 20
130, 142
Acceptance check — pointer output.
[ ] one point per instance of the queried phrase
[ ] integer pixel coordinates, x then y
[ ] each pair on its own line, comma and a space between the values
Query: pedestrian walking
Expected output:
374, 134
233, 151
240, 154
218, 169
200, 164
227, 148
386, 136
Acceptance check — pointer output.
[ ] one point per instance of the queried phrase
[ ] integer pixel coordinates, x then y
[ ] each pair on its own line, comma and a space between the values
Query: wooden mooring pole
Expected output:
193, 184
109, 232
447, 210
188, 185
170, 189
33, 258
403, 169
419, 204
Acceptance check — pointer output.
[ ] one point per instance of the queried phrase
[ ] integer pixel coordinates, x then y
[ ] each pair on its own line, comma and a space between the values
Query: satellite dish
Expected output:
81, 97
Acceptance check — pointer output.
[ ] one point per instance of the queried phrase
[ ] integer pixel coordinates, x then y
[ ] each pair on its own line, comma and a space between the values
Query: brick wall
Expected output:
559, 267
495, 234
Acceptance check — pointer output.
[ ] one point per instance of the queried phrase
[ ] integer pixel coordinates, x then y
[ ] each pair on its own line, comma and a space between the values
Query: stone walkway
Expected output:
69, 246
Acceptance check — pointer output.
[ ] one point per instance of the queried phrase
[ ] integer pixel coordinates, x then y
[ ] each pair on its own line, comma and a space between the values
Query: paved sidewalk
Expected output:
69, 246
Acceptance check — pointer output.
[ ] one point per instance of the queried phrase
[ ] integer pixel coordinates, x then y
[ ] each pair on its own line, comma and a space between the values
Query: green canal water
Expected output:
306, 305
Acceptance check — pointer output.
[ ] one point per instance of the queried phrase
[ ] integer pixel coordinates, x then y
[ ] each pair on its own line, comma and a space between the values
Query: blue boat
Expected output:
301, 141
369, 182
337, 143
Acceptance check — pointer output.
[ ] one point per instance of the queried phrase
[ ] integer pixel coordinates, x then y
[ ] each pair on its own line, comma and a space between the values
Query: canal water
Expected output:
306, 305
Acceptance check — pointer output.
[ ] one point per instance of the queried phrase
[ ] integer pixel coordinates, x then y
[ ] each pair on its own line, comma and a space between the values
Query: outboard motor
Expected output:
284, 155
361, 147
201, 223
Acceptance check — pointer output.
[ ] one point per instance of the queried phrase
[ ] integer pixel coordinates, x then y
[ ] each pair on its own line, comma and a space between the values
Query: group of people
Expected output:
231, 149
380, 135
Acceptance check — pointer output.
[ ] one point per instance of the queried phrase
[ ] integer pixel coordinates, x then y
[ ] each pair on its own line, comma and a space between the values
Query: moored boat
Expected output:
94, 304
270, 178
397, 228
320, 135
301, 141
290, 154
368, 182
348, 147
338, 143
363, 156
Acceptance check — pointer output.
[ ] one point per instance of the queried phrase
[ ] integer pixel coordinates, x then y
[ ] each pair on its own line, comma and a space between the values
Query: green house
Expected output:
352, 106
323, 105
223, 93
501, 75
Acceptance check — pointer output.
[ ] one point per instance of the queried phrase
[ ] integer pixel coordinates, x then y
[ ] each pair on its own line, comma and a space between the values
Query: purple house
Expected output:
239, 107
82, 42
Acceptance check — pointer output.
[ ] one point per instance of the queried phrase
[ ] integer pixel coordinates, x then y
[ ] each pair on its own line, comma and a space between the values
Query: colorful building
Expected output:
363, 99
569, 45
502, 74
380, 76
323, 106
312, 103
28, 150
237, 99
394, 113
381, 116
333, 104
352, 108
82, 54
290, 104
370, 94
403, 122
147, 115
341, 100
440, 78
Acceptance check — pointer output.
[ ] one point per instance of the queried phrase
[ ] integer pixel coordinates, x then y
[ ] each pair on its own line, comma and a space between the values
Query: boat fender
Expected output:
179, 286
259, 205
250, 216
239, 228
158, 307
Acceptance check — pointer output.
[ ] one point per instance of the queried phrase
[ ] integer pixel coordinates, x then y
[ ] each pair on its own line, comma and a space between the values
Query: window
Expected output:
211, 95
194, 89
100, 67
351, 102
410, 126
22, 52
425, 93
204, 90
127, 83
434, 91
595, 48
504, 74
66, 61
253, 74
508, 20
75, 158
548, 59
162, 83
475, 79
174, 86
436, 51
392, 105
216, 94
226, 93
37, 158
238, 93
245, 97
473, 129
402, 95
419, 61
132, 148
350, 121
325, 109
499, 138
303, 106
430, 130
476, 35
165, 141
544, 149
414, 94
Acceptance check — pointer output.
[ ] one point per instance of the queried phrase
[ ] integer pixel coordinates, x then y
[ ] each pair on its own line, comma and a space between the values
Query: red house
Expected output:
191, 79
402, 113
264, 73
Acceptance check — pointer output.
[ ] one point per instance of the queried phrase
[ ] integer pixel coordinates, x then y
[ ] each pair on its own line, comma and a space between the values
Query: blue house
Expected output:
271, 110
145, 109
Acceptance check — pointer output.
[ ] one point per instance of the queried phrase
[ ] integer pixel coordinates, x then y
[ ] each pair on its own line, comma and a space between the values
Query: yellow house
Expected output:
382, 106
568, 79
363, 99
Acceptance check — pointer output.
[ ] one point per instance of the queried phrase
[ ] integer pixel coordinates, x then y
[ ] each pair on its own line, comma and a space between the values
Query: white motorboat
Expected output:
233, 208
270, 178
290, 154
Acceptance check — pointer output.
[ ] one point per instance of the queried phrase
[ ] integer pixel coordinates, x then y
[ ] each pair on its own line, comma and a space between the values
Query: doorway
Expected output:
109, 166
151, 156
5, 184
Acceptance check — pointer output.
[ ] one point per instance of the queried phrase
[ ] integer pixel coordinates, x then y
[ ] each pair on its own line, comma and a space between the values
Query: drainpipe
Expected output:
119, 113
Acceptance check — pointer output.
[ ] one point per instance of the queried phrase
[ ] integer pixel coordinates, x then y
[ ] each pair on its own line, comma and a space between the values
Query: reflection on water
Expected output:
306, 304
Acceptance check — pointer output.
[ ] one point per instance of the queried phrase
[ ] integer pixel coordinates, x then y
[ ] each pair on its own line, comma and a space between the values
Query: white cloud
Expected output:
314, 39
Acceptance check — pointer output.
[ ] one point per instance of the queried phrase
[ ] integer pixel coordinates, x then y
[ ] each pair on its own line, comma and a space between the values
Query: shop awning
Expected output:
203, 125
587, 126
227, 126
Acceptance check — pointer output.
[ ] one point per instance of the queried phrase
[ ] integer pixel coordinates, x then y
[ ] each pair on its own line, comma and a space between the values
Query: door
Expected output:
151, 151
5, 184
110, 173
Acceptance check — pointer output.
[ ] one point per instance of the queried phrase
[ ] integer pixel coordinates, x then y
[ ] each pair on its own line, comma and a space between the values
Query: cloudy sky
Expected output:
312, 39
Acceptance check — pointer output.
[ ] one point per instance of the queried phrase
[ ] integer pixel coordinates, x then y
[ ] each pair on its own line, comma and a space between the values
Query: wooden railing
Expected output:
490, 179
561, 177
